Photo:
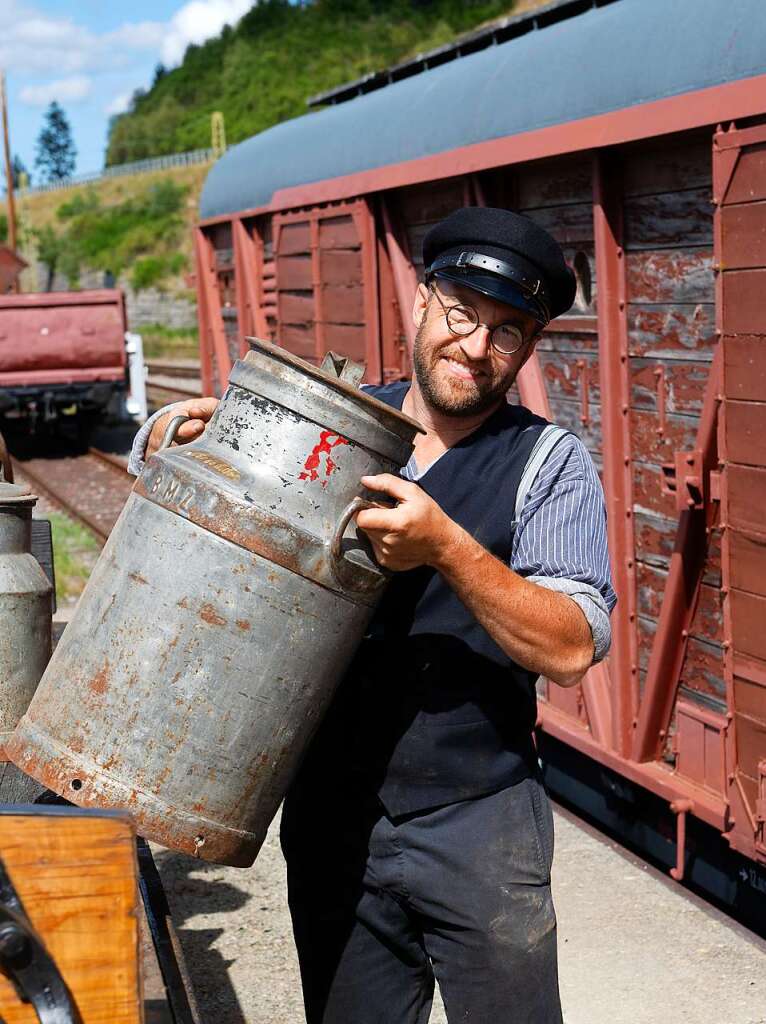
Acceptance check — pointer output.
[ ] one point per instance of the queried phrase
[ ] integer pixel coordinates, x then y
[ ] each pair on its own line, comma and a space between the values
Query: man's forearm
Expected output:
542, 630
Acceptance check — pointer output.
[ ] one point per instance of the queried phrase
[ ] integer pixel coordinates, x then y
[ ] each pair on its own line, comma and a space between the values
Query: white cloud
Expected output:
119, 104
197, 21
35, 46
141, 35
63, 90
33, 43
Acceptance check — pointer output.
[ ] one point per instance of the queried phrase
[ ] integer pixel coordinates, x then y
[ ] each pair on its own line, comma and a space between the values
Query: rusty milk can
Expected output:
224, 608
25, 608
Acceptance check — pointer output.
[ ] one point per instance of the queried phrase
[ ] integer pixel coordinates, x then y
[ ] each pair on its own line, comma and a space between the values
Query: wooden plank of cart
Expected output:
85, 930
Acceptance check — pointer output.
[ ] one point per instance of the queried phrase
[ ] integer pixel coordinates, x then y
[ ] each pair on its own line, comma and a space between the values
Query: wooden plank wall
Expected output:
558, 195
668, 224
419, 207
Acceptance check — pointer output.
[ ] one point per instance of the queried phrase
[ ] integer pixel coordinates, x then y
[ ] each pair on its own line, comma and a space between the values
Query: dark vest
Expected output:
432, 711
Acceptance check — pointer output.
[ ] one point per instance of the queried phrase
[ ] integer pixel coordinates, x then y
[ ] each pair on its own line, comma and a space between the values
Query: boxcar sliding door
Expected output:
326, 283
740, 195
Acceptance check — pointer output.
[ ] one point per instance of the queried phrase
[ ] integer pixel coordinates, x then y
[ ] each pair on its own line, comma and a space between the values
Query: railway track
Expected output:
172, 380
91, 488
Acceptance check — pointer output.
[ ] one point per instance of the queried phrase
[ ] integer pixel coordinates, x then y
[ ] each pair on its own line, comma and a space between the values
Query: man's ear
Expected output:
419, 307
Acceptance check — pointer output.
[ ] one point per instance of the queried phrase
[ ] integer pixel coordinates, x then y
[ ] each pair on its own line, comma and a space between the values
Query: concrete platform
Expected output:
634, 948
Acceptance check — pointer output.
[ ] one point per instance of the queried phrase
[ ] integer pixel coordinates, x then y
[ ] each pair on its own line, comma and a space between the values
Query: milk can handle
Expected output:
169, 436
338, 564
6, 466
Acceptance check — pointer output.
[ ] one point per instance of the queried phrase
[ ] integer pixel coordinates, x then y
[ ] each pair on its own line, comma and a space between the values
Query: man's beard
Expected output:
456, 398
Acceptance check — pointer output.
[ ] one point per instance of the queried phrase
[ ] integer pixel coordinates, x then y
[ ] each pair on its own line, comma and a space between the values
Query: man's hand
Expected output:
416, 532
200, 410
541, 630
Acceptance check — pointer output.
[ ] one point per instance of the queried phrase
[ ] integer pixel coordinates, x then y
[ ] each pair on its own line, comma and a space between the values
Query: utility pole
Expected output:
8, 168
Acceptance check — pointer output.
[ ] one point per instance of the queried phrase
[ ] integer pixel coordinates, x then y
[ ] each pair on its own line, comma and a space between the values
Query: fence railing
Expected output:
157, 163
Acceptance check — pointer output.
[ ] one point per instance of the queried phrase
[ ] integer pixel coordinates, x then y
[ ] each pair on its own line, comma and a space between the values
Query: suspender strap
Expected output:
546, 442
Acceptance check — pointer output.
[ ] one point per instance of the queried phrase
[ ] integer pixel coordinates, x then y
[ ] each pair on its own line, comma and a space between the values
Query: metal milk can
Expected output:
222, 612
25, 608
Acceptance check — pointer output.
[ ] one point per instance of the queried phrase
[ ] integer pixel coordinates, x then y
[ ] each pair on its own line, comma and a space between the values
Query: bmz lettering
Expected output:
172, 492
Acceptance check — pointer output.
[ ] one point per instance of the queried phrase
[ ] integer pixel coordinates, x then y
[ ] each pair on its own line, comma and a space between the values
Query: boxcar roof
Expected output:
606, 59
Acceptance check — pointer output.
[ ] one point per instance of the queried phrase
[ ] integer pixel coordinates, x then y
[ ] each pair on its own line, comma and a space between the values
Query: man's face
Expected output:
465, 376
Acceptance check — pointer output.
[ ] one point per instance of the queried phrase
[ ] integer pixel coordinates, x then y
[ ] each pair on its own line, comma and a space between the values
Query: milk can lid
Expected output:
11, 494
394, 418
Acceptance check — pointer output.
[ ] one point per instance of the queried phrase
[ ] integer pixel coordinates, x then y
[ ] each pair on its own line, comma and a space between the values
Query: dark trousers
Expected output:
461, 893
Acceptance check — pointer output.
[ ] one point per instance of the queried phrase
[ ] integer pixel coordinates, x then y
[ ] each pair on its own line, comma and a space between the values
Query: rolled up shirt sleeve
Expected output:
138, 449
560, 538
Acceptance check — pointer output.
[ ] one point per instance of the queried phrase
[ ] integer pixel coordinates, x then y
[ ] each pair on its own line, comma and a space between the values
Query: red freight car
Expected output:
61, 350
603, 126
11, 265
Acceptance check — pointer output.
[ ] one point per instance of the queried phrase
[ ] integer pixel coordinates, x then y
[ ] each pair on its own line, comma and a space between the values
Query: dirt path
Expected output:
626, 932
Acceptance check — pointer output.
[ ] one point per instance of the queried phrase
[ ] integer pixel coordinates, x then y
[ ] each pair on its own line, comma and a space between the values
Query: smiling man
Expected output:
418, 835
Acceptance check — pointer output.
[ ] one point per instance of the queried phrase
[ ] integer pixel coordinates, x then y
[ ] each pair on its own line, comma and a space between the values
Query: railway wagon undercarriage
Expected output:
660, 367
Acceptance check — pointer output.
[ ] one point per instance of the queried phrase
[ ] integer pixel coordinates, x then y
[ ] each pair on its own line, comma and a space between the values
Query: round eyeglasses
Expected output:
463, 320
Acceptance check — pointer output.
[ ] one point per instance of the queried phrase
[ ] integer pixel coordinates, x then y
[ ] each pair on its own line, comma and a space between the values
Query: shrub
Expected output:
263, 70
140, 233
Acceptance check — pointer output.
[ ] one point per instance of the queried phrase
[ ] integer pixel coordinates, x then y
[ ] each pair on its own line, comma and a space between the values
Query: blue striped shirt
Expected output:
560, 538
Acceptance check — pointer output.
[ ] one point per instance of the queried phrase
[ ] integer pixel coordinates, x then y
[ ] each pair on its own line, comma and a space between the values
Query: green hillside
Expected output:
280, 53
138, 227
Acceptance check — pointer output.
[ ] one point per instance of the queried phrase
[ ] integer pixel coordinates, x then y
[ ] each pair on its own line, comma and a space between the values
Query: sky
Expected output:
89, 56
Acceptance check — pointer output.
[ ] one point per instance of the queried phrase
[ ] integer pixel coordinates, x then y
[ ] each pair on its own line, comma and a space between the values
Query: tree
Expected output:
56, 152
48, 251
17, 169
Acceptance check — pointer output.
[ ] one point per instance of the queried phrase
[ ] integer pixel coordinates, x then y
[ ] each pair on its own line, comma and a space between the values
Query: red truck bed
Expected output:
62, 337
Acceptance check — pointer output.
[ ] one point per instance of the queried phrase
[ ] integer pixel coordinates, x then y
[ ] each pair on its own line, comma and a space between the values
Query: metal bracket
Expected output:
685, 479
336, 365
760, 809
27, 963
680, 808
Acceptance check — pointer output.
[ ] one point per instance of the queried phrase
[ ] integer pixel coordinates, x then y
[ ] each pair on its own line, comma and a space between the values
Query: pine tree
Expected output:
56, 152
17, 169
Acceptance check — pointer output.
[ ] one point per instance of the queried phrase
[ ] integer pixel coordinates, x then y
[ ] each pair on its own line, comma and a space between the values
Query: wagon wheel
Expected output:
6, 466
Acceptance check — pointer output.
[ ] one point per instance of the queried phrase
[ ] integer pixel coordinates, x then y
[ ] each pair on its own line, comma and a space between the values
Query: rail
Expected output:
90, 488
157, 163
172, 380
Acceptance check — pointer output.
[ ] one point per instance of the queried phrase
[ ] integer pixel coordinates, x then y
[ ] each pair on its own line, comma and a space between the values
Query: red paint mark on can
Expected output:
327, 441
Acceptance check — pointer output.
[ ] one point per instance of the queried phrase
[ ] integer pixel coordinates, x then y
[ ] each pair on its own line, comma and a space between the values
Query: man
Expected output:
418, 835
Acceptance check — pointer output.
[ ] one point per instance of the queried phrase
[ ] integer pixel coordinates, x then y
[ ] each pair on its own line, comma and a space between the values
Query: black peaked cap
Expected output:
521, 257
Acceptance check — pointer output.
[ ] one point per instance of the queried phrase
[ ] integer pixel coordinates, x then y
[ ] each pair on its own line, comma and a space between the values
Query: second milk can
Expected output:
222, 612
25, 608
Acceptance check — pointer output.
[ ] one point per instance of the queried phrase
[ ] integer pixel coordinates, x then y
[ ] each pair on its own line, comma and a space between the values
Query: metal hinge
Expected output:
336, 365
25, 960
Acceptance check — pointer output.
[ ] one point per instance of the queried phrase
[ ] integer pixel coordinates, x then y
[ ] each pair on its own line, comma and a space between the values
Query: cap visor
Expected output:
494, 287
